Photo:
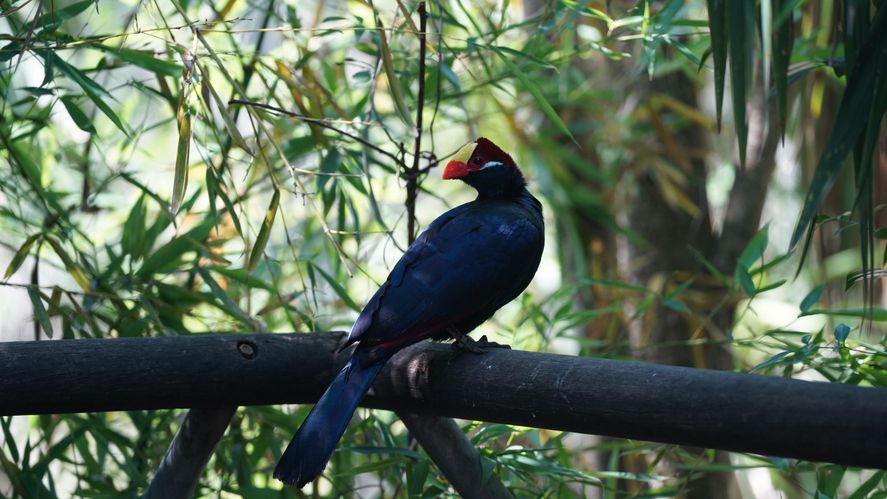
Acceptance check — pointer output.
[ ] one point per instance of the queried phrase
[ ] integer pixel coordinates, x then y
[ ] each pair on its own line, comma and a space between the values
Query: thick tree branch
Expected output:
190, 450
740, 412
746, 203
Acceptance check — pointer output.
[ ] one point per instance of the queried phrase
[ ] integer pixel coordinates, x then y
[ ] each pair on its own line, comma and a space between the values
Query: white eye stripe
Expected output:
490, 164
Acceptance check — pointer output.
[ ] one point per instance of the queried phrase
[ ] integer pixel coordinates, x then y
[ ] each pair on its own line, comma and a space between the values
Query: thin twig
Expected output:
412, 173
320, 122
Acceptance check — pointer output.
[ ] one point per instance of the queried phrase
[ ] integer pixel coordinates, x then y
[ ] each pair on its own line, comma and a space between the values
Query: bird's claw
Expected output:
485, 343
466, 343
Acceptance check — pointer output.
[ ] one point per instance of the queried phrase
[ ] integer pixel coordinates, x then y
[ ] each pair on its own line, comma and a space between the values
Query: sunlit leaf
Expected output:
394, 85
265, 231
20, 255
77, 115
93, 90
72, 267
183, 152
143, 59
534, 90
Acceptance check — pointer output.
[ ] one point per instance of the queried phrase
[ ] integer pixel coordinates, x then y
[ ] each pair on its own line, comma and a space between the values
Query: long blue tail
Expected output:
307, 454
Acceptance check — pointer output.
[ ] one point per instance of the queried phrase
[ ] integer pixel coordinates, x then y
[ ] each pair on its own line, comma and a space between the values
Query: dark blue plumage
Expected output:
467, 264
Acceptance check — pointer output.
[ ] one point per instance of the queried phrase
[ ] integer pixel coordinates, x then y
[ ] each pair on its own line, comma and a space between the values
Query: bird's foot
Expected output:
466, 343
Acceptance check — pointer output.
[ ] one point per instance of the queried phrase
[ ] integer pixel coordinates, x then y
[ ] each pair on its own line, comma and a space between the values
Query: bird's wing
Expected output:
459, 267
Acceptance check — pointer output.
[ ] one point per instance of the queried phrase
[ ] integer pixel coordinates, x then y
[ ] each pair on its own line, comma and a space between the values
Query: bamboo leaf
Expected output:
754, 250
230, 125
741, 33
72, 267
338, 288
92, 89
183, 152
812, 298
745, 281
143, 59
864, 94
40, 311
134, 234
783, 40
20, 255
167, 257
400, 102
51, 20
80, 119
265, 231
875, 314
536, 92
717, 19
225, 302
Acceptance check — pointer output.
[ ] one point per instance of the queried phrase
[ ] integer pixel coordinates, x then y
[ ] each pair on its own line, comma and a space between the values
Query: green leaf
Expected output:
812, 298
243, 276
92, 89
226, 303
741, 32
40, 311
536, 92
265, 231
772, 285
717, 19
868, 486
338, 288
875, 314
77, 115
754, 250
864, 94
772, 361
841, 333
144, 59
783, 41
709, 266
134, 235
72, 267
20, 255
854, 277
588, 11
400, 102
167, 257
745, 281
51, 20
183, 153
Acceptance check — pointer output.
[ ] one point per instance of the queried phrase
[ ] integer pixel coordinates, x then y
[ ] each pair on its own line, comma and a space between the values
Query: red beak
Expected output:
458, 166
455, 169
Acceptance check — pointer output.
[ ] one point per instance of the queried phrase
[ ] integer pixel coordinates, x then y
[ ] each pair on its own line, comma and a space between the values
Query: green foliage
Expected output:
178, 168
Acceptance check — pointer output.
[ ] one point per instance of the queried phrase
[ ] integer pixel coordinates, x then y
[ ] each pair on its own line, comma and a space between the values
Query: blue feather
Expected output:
310, 449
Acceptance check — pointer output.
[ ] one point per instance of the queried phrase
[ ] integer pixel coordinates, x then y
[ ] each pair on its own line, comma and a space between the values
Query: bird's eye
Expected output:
478, 160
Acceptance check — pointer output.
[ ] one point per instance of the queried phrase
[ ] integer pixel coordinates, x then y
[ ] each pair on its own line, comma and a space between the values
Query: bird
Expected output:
463, 267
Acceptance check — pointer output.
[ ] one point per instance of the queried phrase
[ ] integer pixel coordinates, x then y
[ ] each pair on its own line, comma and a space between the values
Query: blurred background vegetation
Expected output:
142, 194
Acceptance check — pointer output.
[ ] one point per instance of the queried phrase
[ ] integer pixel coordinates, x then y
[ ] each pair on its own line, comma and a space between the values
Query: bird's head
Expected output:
484, 166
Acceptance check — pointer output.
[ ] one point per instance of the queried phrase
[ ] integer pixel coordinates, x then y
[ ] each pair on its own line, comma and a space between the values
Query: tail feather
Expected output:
310, 449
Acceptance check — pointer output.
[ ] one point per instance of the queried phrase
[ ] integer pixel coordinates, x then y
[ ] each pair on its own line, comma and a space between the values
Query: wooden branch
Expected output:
190, 450
452, 452
740, 412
